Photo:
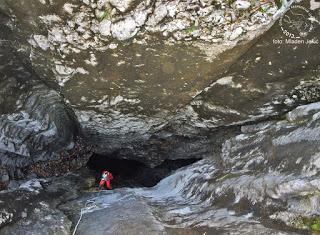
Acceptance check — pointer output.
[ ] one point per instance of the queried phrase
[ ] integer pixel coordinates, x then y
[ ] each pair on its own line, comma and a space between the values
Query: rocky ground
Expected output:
264, 180
152, 83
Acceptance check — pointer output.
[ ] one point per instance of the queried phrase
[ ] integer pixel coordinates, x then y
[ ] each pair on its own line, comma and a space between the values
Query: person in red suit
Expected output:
106, 178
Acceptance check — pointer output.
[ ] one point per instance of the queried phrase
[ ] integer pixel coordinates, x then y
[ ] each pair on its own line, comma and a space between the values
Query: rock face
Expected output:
151, 97
265, 175
263, 181
264, 83
35, 208
127, 222
145, 80
35, 124
128, 96
77, 21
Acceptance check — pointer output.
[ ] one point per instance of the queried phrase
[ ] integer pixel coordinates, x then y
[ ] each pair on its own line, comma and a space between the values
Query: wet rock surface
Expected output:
265, 181
110, 77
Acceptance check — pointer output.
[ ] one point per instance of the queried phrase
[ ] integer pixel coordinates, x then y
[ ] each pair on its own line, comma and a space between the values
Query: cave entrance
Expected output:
130, 173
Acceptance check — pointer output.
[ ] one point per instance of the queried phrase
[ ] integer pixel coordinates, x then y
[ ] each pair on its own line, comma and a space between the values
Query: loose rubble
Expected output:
94, 24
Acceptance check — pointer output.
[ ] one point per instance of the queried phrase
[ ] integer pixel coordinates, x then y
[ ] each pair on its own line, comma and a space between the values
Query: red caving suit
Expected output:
106, 180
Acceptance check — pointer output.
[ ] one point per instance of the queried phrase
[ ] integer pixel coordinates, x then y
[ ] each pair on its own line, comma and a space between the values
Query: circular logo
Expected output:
297, 22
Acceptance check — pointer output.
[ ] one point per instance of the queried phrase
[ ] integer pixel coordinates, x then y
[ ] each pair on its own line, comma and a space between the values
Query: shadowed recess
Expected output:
130, 173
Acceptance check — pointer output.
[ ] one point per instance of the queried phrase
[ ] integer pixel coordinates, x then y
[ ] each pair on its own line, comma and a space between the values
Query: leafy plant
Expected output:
264, 10
279, 3
105, 14
192, 28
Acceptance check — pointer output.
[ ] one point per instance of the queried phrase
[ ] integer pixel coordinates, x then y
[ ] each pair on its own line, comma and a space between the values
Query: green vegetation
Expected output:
192, 28
230, 2
279, 3
105, 15
264, 10
312, 223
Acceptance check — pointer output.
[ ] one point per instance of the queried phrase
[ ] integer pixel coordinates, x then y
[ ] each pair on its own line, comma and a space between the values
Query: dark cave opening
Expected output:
131, 173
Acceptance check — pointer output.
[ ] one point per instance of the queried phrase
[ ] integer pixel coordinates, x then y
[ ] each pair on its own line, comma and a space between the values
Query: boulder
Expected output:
35, 208
35, 123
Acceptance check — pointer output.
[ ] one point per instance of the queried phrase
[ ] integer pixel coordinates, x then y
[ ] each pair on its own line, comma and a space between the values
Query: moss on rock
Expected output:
311, 223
